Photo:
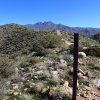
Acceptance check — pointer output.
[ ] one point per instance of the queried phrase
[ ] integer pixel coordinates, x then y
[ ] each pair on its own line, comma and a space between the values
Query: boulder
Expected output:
66, 84
81, 54
65, 89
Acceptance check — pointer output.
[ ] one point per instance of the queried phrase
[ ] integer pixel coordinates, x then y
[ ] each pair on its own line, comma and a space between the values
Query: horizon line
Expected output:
47, 22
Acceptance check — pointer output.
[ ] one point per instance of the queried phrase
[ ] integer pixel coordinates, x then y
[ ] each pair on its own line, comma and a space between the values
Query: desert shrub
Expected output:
25, 51
96, 37
5, 68
68, 58
36, 96
52, 41
24, 64
93, 67
42, 42
86, 41
71, 48
35, 60
37, 47
93, 51
50, 83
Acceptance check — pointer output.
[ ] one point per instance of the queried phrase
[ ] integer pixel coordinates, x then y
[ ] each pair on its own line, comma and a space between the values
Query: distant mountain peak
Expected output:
49, 25
45, 23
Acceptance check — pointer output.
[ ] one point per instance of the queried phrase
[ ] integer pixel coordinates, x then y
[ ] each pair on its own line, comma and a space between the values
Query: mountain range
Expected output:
52, 26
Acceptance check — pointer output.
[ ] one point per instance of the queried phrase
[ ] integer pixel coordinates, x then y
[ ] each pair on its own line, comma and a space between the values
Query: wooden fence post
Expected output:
75, 65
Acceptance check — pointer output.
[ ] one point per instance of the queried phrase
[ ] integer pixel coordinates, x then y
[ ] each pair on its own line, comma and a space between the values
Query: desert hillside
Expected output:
38, 65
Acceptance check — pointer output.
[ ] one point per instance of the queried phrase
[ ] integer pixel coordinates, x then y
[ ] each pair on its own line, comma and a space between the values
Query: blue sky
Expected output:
84, 13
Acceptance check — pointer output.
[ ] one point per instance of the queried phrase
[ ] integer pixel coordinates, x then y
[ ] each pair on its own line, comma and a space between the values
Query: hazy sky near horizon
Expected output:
82, 13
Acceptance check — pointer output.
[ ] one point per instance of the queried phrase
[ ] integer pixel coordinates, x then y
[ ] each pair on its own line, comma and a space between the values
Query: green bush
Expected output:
5, 68
96, 37
71, 48
22, 40
93, 51
45, 41
35, 60
52, 41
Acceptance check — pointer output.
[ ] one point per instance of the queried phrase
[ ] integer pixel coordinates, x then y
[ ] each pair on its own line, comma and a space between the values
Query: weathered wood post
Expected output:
75, 65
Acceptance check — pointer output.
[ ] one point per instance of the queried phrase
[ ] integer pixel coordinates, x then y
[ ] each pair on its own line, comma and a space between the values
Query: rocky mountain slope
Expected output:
38, 65
51, 26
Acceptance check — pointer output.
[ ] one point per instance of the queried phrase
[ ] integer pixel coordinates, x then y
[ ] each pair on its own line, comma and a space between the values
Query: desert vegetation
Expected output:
38, 65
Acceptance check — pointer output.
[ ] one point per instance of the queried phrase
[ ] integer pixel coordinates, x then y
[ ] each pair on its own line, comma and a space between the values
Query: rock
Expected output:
35, 77
63, 62
71, 69
84, 48
77, 84
21, 83
88, 74
81, 71
85, 78
15, 86
32, 84
8, 83
80, 75
44, 90
96, 83
51, 91
55, 76
16, 70
80, 62
23, 79
81, 54
39, 72
65, 89
25, 89
66, 84
15, 93
68, 42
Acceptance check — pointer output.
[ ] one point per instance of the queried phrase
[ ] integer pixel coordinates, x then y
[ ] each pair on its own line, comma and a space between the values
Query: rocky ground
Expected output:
49, 78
